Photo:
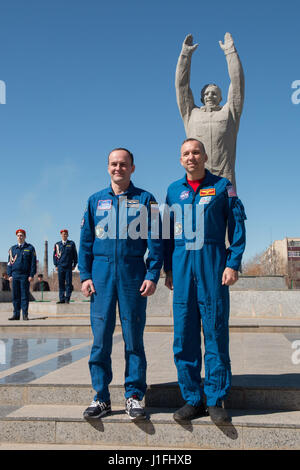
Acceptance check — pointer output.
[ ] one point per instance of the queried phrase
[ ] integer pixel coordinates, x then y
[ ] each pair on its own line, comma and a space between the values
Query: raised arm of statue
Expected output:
184, 95
236, 90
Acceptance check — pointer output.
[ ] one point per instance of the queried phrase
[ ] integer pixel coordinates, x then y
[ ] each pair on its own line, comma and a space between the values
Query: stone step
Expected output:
247, 303
104, 456
161, 395
59, 424
80, 324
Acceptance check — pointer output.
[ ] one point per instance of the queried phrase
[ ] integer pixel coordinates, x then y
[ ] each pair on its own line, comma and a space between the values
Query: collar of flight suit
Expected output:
205, 181
129, 190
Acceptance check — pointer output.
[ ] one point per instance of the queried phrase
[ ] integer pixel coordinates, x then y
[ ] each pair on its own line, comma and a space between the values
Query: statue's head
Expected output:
211, 95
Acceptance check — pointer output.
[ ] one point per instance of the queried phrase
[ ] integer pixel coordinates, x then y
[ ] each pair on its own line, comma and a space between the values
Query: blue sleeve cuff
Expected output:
154, 277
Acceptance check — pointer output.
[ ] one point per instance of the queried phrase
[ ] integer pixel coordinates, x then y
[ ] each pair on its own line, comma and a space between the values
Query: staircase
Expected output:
262, 418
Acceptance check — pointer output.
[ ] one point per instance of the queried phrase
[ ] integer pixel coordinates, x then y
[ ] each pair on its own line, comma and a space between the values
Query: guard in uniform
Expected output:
199, 268
65, 260
116, 231
21, 269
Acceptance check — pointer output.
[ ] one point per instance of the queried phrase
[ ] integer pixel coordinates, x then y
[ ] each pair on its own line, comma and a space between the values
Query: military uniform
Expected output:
65, 259
21, 265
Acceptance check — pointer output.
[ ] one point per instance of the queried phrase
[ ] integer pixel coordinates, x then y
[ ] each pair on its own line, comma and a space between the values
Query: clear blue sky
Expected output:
83, 77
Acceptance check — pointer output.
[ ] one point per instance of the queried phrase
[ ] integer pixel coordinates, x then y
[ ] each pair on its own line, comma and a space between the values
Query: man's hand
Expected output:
230, 276
147, 288
169, 280
10, 278
30, 279
87, 288
188, 47
228, 45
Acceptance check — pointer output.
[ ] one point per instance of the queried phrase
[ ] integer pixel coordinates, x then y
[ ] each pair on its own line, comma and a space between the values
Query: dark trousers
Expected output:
20, 295
65, 284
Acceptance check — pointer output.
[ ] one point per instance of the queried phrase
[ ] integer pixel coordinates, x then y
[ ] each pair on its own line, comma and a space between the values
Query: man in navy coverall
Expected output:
65, 260
200, 268
116, 231
21, 269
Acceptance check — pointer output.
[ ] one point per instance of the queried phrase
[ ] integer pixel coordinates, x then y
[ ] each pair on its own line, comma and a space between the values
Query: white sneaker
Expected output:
97, 409
134, 410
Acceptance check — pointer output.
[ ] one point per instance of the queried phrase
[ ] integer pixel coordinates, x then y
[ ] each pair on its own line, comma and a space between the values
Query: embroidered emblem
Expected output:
132, 203
205, 200
104, 204
184, 195
208, 192
178, 228
99, 231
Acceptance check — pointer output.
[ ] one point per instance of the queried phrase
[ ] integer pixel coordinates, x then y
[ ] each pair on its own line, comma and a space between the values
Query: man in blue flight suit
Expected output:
199, 268
115, 234
65, 260
21, 269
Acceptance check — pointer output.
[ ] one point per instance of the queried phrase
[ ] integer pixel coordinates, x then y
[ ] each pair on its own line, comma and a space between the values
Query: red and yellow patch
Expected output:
208, 192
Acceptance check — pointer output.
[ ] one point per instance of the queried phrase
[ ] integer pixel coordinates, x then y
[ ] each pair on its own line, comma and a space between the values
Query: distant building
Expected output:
3, 267
283, 257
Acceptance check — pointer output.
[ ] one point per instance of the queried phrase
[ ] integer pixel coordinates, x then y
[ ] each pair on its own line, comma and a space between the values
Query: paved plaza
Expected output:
45, 386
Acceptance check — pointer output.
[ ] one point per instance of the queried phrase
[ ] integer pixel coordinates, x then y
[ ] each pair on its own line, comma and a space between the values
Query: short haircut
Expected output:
40, 275
204, 88
126, 150
190, 139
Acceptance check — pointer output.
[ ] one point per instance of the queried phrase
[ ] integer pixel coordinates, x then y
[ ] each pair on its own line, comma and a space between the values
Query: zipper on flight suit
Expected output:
117, 234
194, 227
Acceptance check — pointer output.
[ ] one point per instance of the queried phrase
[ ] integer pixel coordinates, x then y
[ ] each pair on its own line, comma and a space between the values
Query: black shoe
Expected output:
134, 409
14, 318
67, 301
188, 412
218, 415
60, 302
97, 409
25, 318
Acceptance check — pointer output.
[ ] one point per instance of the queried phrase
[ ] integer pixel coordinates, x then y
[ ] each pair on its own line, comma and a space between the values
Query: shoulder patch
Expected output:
231, 191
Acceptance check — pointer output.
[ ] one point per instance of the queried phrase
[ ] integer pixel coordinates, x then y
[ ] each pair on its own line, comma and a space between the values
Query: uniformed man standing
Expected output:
65, 260
116, 232
21, 269
200, 268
